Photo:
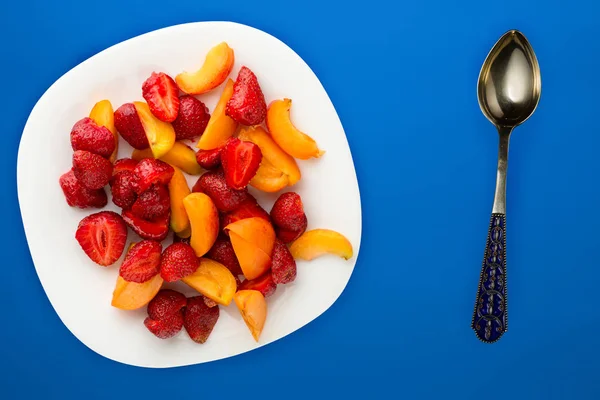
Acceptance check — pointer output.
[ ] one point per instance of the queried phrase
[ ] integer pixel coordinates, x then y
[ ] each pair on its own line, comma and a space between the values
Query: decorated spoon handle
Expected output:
490, 317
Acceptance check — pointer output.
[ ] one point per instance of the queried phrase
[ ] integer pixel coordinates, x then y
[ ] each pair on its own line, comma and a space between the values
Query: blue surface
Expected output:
402, 78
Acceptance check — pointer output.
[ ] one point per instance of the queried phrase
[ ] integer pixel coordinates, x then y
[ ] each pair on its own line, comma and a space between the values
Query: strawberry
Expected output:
288, 212
165, 328
263, 284
247, 104
283, 267
192, 118
288, 236
91, 170
79, 196
214, 185
150, 171
209, 302
153, 203
222, 252
121, 187
199, 319
124, 164
157, 229
209, 159
178, 261
102, 237
88, 136
142, 262
130, 127
166, 303
248, 209
240, 162
162, 95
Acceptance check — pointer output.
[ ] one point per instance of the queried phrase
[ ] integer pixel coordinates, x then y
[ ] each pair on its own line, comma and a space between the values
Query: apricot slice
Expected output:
268, 178
185, 234
253, 261
253, 307
256, 231
204, 222
286, 135
103, 115
317, 242
178, 190
216, 68
213, 280
131, 295
180, 156
160, 134
220, 126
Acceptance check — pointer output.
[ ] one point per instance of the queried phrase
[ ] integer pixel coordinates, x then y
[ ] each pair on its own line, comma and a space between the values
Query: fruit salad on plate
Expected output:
214, 237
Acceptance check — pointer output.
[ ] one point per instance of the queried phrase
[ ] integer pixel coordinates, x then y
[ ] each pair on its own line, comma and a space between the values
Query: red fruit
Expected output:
91, 170
157, 229
192, 119
178, 261
263, 284
130, 127
209, 159
283, 267
165, 328
124, 164
288, 212
142, 262
102, 237
166, 303
288, 236
121, 187
240, 162
162, 95
149, 172
248, 209
247, 104
222, 252
79, 196
209, 302
87, 135
153, 203
214, 185
199, 319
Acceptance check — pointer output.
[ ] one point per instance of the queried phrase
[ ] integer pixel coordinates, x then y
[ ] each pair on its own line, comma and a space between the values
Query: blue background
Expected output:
402, 76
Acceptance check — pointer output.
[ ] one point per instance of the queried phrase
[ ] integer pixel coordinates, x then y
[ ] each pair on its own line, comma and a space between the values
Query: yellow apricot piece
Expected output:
160, 134
317, 242
220, 126
213, 280
180, 156
103, 115
253, 307
215, 69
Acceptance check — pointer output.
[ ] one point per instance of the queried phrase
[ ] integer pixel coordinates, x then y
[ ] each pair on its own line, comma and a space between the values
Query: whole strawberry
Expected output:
87, 135
165, 328
264, 284
209, 159
247, 104
91, 170
79, 196
192, 118
288, 217
199, 319
214, 185
142, 262
153, 203
149, 172
178, 261
222, 252
124, 164
283, 267
121, 187
166, 303
102, 237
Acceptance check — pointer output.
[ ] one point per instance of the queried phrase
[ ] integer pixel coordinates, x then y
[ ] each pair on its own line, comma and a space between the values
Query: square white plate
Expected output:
80, 291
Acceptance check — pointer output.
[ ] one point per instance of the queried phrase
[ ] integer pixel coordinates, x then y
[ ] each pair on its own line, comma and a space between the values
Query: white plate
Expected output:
81, 291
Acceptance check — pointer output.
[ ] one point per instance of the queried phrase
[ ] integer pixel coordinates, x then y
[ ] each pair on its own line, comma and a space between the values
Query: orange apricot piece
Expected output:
253, 261
253, 307
213, 280
180, 156
184, 234
268, 178
131, 295
204, 222
286, 135
220, 126
103, 115
317, 242
160, 134
256, 231
178, 190
215, 69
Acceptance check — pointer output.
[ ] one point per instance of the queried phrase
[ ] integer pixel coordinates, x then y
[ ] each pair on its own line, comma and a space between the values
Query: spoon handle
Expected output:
490, 317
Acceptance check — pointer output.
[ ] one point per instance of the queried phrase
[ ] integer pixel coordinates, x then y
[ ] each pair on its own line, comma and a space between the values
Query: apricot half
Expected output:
178, 190
220, 126
286, 135
180, 156
131, 295
268, 178
103, 115
253, 307
213, 280
317, 242
160, 134
215, 69
204, 222
252, 240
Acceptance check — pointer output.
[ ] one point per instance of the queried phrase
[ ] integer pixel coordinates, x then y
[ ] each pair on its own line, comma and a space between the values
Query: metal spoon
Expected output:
508, 91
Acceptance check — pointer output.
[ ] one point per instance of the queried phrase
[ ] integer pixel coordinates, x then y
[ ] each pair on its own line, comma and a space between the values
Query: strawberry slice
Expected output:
162, 95
247, 104
124, 164
209, 159
149, 172
240, 161
142, 262
157, 229
102, 237
263, 284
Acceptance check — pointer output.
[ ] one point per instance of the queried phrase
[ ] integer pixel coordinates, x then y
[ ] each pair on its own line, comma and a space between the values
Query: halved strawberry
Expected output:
124, 164
142, 262
153, 203
263, 284
130, 127
157, 229
209, 159
102, 237
199, 319
162, 95
167, 327
247, 104
79, 196
240, 162
178, 261
149, 172
166, 303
